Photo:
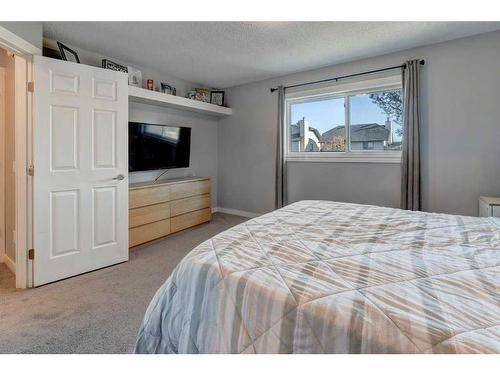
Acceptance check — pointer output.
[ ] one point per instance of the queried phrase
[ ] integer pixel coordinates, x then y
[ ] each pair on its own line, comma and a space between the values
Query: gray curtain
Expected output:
281, 196
411, 198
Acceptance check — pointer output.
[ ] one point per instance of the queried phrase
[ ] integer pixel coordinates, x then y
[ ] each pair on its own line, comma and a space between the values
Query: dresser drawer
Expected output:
148, 214
190, 219
148, 232
151, 195
188, 189
190, 204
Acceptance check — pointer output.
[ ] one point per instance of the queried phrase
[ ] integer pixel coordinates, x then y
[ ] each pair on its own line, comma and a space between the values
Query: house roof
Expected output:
315, 131
311, 146
295, 132
359, 133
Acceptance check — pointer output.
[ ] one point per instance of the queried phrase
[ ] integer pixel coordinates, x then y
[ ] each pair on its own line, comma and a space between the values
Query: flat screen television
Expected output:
154, 146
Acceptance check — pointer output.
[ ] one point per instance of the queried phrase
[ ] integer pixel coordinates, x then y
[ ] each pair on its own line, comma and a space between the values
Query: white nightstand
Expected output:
489, 206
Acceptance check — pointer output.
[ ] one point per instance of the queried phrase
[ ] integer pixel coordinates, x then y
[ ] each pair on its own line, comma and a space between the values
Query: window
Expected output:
375, 121
309, 123
348, 123
367, 145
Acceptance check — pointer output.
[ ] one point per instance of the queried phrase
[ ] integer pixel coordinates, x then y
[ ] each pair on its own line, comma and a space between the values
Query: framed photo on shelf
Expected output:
217, 97
167, 89
108, 64
134, 77
67, 53
202, 95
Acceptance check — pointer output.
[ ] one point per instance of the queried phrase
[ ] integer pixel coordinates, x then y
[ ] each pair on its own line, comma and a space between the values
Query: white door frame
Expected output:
16, 44
2, 164
23, 157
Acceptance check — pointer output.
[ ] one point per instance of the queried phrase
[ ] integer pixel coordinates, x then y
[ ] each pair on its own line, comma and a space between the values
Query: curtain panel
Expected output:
411, 198
280, 196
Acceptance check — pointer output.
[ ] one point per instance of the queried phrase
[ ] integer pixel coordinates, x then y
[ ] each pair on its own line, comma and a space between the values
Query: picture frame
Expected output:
51, 52
134, 77
202, 95
217, 97
67, 54
167, 88
111, 65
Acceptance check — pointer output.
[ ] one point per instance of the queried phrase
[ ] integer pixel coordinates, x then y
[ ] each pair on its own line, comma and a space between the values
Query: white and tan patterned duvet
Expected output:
328, 277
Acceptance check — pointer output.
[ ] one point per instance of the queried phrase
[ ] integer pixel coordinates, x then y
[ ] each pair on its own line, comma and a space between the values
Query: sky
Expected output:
326, 114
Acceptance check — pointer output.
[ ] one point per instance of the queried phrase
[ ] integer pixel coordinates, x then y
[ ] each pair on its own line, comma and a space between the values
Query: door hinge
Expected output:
31, 254
31, 170
31, 86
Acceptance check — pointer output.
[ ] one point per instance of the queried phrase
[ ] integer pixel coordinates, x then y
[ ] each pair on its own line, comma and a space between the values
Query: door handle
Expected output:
119, 177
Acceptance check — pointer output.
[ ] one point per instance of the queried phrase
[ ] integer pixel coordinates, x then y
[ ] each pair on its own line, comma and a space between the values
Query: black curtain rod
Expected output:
273, 89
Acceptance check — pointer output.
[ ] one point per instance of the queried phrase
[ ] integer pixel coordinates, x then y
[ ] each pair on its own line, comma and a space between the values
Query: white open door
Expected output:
80, 143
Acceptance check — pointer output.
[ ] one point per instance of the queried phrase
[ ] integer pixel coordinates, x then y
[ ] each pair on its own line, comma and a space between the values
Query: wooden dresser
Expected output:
159, 209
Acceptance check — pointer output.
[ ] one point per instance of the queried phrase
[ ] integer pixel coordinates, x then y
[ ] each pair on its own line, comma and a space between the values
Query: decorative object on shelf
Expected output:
134, 77
191, 95
108, 64
67, 53
168, 89
217, 97
150, 85
202, 95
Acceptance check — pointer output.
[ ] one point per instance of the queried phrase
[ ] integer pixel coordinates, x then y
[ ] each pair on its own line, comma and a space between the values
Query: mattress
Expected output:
329, 277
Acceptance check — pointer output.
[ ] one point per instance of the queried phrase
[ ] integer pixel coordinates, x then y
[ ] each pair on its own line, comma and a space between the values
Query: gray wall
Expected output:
460, 136
29, 31
365, 183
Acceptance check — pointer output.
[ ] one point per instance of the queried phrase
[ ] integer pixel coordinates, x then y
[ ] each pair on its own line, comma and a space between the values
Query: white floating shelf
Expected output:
139, 95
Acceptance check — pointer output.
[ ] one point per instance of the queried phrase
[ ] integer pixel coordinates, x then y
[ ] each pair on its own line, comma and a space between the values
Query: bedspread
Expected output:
329, 277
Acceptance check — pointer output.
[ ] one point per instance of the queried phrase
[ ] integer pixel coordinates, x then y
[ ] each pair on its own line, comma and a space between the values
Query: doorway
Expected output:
13, 179
7, 176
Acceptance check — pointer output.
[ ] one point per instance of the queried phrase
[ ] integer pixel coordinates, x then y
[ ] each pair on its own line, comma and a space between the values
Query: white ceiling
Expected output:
224, 54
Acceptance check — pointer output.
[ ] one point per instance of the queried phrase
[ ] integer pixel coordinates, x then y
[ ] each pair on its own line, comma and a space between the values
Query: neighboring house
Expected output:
394, 146
304, 137
363, 136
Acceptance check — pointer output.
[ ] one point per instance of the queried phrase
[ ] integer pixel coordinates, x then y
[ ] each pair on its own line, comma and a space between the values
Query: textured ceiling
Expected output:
224, 54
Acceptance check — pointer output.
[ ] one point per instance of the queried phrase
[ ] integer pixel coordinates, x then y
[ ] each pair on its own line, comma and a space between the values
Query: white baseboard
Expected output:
232, 211
9, 263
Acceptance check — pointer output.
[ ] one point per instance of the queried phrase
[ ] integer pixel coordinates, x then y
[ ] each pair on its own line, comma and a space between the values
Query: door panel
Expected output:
64, 214
64, 137
103, 89
104, 210
80, 144
104, 139
63, 83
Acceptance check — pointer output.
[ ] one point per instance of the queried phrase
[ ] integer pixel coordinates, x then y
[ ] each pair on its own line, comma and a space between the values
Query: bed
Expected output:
329, 277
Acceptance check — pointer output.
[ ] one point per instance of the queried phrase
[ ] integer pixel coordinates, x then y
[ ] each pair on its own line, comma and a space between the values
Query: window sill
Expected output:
387, 157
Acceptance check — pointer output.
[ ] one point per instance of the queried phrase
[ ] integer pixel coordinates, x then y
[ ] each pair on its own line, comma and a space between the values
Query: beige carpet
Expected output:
98, 312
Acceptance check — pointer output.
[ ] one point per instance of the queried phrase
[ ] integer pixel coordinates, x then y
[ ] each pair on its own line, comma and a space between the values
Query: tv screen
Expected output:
157, 146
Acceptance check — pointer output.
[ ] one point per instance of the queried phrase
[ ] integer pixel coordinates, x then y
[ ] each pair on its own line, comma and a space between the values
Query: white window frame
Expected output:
344, 90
